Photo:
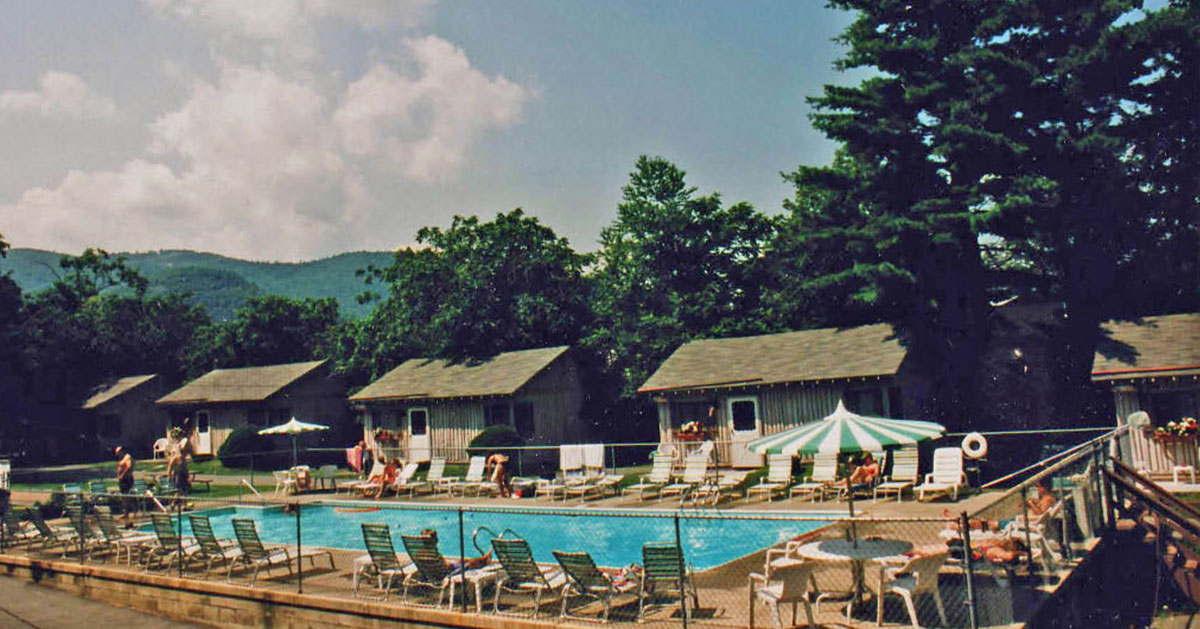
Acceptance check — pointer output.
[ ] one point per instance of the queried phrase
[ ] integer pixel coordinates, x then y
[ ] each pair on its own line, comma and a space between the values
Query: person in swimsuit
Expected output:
125, 482
471, 563
498, 464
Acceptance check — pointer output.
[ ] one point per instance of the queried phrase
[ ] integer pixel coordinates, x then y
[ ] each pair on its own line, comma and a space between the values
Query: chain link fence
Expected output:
578, 561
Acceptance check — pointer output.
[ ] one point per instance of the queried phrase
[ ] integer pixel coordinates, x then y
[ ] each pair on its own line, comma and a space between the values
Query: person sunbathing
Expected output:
377, 483
864, 473
1036, 505
455, 564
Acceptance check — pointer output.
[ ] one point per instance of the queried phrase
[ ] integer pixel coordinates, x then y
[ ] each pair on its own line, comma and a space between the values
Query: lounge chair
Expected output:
695, 470
119, 540
397, 485
918, 576
947, 475
431, 569
659, 477
905, 463
824, 474
778, 478
433, 478
726, 483
522, 575
97, 493
585, 580
212, 550
472, 480
17, 532
86, 539
385, 564
50, 537
73, 494
597, 486
169, 546
786, 581
661, 573
255, 554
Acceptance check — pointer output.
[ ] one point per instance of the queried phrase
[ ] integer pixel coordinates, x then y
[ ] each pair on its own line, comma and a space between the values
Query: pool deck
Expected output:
724, 594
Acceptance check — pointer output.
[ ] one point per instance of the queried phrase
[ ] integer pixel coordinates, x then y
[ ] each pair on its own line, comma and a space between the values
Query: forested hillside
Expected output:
221, 284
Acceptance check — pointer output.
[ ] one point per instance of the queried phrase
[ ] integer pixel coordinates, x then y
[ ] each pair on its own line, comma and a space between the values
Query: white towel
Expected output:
593, 456
570, 458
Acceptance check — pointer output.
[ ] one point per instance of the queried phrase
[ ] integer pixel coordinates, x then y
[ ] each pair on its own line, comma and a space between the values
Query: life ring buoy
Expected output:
975, 446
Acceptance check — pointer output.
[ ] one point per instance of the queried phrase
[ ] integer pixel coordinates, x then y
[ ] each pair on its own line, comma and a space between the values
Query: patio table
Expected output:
857, 554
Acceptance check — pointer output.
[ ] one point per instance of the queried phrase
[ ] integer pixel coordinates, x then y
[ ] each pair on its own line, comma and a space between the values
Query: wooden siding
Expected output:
1156, 457
779, 408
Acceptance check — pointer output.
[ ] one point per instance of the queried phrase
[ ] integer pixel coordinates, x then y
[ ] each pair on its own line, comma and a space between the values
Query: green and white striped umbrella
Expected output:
846, 432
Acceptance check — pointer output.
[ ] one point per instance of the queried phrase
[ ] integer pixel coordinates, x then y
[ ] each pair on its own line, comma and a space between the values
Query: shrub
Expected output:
245, 440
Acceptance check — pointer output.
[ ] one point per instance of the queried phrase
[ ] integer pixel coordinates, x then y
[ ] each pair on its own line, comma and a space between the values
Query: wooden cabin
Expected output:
222, 400
739, 389
123, 413
1153, 365
432, 407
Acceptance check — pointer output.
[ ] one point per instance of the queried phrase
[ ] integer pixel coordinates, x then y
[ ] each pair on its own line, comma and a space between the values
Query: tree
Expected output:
267, 330
475, 289
991, 155
674, 266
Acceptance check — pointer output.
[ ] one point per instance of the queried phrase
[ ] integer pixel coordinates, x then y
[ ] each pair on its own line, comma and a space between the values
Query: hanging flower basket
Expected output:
1183, 431
691, 431
383, 435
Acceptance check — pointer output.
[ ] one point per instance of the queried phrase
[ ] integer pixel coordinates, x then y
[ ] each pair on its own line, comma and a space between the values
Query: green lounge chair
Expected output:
17, 532
254, 553
73, 494
664, 570
169, 546
585, 580
211, 550
50, 537
522, 575
385, 565
432, 571
86, 539
121, 541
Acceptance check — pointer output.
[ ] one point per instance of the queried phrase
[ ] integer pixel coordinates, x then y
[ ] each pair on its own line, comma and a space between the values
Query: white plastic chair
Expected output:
824, 472
778, 478
160, 448
919, 575
284, 482
947, 475
325, 473
783, 583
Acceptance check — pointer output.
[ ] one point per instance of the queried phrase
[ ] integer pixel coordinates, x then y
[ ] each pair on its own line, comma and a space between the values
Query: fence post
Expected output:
964, 525
1028, 535
683, 609
299, 569
179, 532
462, 557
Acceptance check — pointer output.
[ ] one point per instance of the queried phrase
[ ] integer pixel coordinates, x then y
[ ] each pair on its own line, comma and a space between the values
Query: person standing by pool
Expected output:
498, 464
125, 482
177, 466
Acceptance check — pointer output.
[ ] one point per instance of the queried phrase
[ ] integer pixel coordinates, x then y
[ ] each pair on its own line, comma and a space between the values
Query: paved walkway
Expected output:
25, 605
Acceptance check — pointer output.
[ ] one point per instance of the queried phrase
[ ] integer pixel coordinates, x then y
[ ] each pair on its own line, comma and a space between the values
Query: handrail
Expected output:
1060, 455
1159, 508
1150, 487
481, 529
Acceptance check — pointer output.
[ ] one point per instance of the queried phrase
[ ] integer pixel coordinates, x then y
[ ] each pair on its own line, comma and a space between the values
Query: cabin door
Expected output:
743, 414
418, 435
203, 433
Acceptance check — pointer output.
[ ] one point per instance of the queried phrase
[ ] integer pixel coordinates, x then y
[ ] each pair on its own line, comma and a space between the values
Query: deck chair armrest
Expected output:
928, 479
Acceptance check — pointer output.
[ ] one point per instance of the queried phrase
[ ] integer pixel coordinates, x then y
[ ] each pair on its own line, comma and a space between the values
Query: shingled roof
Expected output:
246, 384
426, 378
116, 389
807, 355
1167, 345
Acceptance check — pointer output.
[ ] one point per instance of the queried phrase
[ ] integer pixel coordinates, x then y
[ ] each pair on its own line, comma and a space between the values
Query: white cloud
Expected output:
422, 126
58, 94
263, 179
289, 26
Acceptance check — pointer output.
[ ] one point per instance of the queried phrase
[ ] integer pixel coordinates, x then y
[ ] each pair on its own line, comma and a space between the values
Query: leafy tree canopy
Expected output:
267, 330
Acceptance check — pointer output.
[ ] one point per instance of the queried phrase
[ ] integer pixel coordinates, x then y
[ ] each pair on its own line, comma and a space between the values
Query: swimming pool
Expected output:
614, 538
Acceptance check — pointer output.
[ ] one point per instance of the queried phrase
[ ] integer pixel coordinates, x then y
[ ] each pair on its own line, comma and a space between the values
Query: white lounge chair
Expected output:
824, 473
947, 475
473, 480
778, 478
695, 469
905, 474
659, 476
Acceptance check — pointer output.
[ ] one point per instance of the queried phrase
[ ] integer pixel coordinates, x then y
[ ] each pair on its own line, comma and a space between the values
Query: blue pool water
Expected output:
613, 538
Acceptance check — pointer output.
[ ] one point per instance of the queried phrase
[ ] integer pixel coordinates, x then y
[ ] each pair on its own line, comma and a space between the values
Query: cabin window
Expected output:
522, 413
256, 416
496, 415
108, 425
870, 401
745, 413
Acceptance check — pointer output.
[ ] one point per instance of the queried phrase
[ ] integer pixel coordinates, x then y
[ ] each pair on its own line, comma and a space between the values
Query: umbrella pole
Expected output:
293, 450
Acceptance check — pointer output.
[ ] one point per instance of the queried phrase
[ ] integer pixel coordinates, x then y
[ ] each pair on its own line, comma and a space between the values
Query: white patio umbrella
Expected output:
845, 432
293, 427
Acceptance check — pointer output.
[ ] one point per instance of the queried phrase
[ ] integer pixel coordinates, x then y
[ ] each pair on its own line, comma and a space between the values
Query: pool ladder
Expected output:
484, 529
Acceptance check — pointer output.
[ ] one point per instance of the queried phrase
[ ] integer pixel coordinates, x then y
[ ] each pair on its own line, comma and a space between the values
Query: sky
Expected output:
298, 129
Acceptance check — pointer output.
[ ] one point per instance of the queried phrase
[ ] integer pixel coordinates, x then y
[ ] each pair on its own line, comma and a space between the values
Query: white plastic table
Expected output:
857, 554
